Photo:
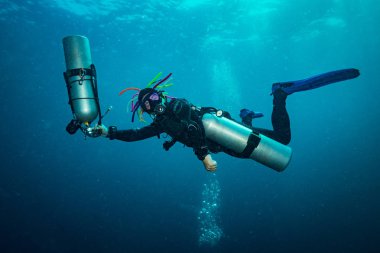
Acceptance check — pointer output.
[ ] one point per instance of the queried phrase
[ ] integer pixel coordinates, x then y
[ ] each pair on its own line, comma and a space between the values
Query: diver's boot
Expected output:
315, 81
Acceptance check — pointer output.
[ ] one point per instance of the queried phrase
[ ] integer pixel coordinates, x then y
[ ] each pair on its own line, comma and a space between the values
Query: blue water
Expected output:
62, 193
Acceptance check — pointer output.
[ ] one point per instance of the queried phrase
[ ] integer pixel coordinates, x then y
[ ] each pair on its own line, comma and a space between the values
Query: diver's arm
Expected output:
133, 134
204, 155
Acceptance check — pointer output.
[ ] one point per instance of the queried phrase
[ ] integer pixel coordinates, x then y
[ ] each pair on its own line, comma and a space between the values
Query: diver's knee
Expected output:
285, 138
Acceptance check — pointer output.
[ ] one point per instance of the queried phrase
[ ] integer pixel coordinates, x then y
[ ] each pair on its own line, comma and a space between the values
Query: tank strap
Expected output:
80, 72
94, 81
65, 76
252, 143
204, 110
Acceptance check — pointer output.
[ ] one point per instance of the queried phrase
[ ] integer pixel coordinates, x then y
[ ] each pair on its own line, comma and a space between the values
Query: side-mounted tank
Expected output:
243, 140
80, 77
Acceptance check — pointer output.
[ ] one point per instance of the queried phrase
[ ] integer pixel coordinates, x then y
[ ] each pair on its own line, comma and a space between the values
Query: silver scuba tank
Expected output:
80, 79
241, 139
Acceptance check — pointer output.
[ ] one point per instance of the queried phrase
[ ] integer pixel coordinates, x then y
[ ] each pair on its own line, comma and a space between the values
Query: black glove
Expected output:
112, 130
201, 152
168, 144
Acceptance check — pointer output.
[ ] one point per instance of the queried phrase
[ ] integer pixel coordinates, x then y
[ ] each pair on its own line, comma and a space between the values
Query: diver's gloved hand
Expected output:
209, 163
98, 130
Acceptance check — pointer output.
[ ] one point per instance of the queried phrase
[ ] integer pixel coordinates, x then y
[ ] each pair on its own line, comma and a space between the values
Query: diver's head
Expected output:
149, 99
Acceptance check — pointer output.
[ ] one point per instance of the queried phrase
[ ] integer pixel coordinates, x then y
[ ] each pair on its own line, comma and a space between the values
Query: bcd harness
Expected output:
183, 122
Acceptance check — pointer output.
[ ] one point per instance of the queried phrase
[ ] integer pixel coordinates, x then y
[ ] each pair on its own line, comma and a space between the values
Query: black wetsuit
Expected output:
183, 123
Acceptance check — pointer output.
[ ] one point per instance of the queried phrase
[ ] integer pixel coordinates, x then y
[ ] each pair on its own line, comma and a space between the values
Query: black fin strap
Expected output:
252, 143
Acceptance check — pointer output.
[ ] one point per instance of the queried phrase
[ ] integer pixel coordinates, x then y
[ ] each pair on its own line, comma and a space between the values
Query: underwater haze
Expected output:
64, 193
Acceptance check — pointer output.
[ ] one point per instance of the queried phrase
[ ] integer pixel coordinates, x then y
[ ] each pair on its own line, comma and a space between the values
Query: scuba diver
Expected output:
182, 121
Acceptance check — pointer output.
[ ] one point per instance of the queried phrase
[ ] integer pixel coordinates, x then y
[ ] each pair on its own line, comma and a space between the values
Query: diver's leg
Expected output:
280, 117
280, 120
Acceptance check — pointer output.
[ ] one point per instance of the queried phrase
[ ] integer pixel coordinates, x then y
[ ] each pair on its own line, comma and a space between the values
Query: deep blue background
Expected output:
61, 193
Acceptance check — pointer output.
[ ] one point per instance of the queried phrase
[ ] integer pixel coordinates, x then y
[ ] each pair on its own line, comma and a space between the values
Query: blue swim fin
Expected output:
316, 81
